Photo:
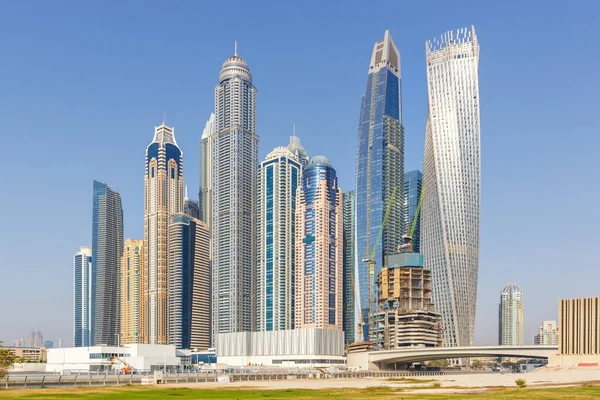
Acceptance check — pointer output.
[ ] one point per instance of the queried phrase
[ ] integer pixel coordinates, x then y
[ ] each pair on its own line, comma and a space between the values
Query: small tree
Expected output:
476, 364
7, 359
521, 383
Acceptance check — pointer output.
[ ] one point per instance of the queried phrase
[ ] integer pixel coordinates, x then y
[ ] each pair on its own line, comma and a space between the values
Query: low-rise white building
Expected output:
140, 357
288, 348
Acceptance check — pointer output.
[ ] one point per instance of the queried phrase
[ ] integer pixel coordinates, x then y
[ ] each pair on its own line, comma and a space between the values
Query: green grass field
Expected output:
382, 393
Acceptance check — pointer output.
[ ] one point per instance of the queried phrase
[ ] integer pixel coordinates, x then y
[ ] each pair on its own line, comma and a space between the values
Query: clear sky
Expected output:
82, 85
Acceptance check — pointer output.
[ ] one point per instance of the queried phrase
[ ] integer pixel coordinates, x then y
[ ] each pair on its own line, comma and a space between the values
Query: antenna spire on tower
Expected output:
294, 129
235, 47
164, 117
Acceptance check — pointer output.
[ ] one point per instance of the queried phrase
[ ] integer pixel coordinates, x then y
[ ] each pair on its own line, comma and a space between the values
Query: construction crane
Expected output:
371, 264
126, 369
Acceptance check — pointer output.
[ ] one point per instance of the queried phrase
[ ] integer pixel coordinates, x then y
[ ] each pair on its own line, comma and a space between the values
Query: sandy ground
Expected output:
543, 377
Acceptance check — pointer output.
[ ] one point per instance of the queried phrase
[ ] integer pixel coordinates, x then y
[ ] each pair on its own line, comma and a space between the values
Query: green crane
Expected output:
371, 263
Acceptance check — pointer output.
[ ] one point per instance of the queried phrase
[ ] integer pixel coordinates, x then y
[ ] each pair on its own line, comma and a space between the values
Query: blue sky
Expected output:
84, 83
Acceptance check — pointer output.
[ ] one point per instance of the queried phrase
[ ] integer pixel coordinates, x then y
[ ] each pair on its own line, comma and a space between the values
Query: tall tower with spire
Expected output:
379, 171
206, 170
164, 194
233, 181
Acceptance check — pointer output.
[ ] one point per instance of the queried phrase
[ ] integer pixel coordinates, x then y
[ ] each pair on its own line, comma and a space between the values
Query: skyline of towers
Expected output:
82, 297
319, 248
451, 181
279, 177
188, 307
511, 323
234, 164
163, 197
253, 235
130, 274
107, 250
413, 182
349, 209
379, 168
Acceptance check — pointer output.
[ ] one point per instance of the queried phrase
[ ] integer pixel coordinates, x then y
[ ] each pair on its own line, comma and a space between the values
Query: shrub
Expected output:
436, 385
521, 383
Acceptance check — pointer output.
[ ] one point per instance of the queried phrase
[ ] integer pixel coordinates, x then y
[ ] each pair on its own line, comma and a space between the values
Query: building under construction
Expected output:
405, 314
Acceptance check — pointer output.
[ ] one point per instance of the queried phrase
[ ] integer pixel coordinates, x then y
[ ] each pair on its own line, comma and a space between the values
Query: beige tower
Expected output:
319, 248
164, 196
131, 267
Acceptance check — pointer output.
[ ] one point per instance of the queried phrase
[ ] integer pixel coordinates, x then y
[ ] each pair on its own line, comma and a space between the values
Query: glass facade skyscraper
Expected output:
451, 181
319, 248
511, 323
164, 194
278, 181
379, 169
82, 297
234, 166
413, 181
107, 250
349, 259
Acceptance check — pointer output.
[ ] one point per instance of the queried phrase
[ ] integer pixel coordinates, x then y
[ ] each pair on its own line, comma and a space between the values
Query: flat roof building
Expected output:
141, 357
579, 334
306, 347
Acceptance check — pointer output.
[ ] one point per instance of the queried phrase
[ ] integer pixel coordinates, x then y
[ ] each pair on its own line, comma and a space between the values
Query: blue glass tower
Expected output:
107, 250
412, 193
379, 171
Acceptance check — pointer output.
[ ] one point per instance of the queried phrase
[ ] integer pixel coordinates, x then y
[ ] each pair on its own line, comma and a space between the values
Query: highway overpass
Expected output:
375, 360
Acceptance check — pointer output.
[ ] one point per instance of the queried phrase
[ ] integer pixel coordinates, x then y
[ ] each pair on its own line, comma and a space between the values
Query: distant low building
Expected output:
48, 344
548, 334
28, 354
304, 347
139, 357
579, 334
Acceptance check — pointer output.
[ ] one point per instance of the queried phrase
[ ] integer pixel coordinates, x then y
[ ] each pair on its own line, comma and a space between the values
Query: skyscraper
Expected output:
131, 268
107, 250
349, 302
82, 297
163, 184
206, 170
412, 193
36, 339
191, 208
510, 319
296, 148
278, 180
234, 165
319, 248
547, 335
379, 168
451, 181
188, 313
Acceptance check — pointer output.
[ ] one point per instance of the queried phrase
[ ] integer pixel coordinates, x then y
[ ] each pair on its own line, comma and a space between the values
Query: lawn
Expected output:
380, 393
